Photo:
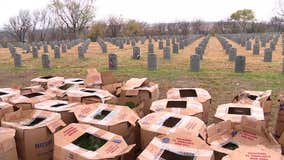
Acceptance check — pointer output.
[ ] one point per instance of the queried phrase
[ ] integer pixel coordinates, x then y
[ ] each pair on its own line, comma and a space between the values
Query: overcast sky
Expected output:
157, 10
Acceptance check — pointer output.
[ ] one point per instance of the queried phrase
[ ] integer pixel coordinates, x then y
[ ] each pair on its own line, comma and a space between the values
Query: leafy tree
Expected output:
133, 28
242, 17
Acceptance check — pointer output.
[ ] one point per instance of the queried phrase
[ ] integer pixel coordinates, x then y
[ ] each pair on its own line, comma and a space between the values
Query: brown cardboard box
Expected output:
5, 108
180, 145
224, 137
59, 106
31, 89
120, 120
103, 80
48, 81
8, 150
281, 141
235, 111
7, 93
34, 132
257, 98
75, 81
139, 90
163, 123
61, 91
187, 107
199, 94
90, 95
256, 152
27, 101
279, 129
69, 144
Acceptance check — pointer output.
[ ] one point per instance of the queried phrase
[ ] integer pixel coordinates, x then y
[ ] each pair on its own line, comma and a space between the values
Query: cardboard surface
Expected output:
48, 81
180, 106
59, 106
34, 132
88, 95
180, 145
235, 111
27, 101
257, 152
224, 137
114, 147
7, 93
8, 149
163, 123
5, 108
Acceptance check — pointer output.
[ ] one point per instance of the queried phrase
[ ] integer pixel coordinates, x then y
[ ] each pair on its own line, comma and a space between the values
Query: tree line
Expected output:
70, 19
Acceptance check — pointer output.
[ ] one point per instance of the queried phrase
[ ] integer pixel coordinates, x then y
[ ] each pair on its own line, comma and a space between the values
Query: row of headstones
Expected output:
82, 49
152, 57
45, 57
256, 49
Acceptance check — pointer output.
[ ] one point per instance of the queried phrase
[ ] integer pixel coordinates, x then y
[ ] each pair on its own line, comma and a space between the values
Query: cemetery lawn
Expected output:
216, 75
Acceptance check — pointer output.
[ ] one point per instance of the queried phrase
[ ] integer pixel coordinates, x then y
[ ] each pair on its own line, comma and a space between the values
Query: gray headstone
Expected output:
256, 49
112, 61
104, 48
194, 63
248, 45
136, 53
35, 52
232, 54
267, 55
161, 45
152, 61
45, 60
150, 48
175, 48
18, 60
57, 52
121, 45
45, 48
81, 53
64, 48
133, 43
167, 53
168, 42
198, 51
240, 64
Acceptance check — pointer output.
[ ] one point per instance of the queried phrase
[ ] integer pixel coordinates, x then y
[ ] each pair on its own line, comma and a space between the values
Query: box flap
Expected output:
93, 78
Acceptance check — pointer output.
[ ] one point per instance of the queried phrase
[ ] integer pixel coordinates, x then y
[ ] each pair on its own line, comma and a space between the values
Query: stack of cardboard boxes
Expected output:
100, 118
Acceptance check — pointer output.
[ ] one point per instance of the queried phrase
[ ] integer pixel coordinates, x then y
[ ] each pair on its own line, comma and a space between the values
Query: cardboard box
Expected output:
139, 90
224, 137
5, 108
85, 142
90, 95
62, 107
235, 111
48, 81
279, 128
27, 101
102, 80
120, 120
7, 93
257, 152
8, 150
31, 89
61, 91
257, 98
281, 141
34, 132
187, 107
163, 123
199, 94
177, 146
75, 81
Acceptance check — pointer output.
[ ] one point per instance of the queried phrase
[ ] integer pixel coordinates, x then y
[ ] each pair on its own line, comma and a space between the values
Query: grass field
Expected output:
216, 75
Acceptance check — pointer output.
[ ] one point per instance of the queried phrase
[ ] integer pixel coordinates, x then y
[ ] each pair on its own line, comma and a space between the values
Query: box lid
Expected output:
179, 106
199, 94
55, 105
105, 114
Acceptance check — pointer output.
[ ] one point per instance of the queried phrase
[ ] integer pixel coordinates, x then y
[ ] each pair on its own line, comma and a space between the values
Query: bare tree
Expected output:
19, 25
115, 26
74, 14
196, 26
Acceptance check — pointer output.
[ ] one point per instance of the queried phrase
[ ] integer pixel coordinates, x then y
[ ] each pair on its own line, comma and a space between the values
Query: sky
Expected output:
153, 11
